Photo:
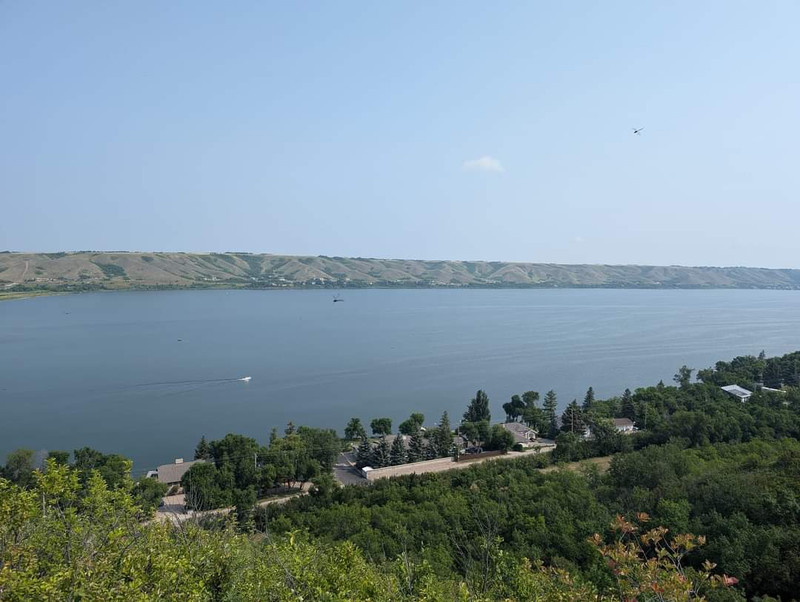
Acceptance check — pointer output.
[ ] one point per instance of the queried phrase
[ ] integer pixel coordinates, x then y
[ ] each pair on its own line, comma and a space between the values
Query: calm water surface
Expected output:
146, 373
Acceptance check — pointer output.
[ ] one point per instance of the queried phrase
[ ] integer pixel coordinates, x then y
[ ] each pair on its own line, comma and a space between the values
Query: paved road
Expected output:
174, 508
346, 473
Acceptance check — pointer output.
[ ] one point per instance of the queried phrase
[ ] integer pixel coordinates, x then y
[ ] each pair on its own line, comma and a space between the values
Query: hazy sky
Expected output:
439, 130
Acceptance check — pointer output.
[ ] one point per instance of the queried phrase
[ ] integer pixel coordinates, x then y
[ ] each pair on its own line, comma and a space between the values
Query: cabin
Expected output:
624, 425
171, 474
738, 392
523, 435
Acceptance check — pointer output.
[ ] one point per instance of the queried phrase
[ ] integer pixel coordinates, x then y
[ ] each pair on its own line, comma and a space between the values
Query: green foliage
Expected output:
397, 453
60, 457
364, 453
499, 439
588, 400
416, 447
19, 467
627, 407
354, 430
478, 409
514, 408
550, 406
203, 450
148, 493
572, 420
381, 426
381, 454
413, 424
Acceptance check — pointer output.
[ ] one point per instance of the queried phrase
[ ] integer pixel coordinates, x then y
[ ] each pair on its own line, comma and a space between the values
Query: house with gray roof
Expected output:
171, 474
524, 435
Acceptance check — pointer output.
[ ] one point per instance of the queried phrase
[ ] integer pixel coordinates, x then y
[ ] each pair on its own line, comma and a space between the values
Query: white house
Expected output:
738, 392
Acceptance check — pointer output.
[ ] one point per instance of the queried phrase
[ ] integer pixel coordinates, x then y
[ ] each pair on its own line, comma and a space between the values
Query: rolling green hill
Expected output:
30, 272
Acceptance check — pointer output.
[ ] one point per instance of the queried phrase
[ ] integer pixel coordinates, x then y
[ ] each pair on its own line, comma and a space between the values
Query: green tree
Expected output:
321, 445
244, 502
19, 467
572, 419
354, 430
627, 407
535, 418
397, 453
500, 439
413, 423
364, 453
605, 437
442, 437
478, 409
381, 453
416, 447
204, 487
550, 406
683, 377
239, 454
588, 400
530, 398
381, 426
203, 450
148, 493
514, 408
60, 457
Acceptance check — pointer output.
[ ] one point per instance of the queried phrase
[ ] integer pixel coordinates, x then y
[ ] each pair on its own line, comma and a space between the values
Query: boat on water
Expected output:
337, 299
246, 379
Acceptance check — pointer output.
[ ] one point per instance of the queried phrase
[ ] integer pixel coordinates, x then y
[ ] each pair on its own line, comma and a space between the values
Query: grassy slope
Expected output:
90, 271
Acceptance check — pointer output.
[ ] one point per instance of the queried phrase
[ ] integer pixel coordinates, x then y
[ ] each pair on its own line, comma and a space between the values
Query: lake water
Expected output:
145, 374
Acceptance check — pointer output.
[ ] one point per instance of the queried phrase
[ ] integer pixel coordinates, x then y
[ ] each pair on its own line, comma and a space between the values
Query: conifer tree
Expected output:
478, 409
572, 419
416, 447
442, 438
588, 400
364, 453
550, 406
627, 407
380, 456
397, 453
203, 450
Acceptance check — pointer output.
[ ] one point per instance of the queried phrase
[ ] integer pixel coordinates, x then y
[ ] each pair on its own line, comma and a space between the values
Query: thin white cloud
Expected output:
486, 163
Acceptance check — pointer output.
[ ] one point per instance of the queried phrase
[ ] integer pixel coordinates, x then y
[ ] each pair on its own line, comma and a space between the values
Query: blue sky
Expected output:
439, 130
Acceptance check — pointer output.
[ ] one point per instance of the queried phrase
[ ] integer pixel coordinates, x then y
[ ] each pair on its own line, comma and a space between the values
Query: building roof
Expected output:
517, 427
737, 391
623, 422
173, 473
519, 431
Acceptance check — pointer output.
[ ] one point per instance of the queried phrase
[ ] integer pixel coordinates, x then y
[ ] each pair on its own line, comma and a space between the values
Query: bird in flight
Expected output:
635, 131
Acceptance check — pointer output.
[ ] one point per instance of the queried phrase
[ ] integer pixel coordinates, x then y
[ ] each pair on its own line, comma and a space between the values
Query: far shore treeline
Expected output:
701, 461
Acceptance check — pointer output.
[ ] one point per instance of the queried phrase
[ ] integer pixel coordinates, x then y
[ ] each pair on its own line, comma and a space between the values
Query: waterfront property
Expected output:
738, 392
523, 435
171, 474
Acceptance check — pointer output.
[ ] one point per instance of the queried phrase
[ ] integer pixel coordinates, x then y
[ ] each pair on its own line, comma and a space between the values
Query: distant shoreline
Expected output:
31, 274
18, 295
